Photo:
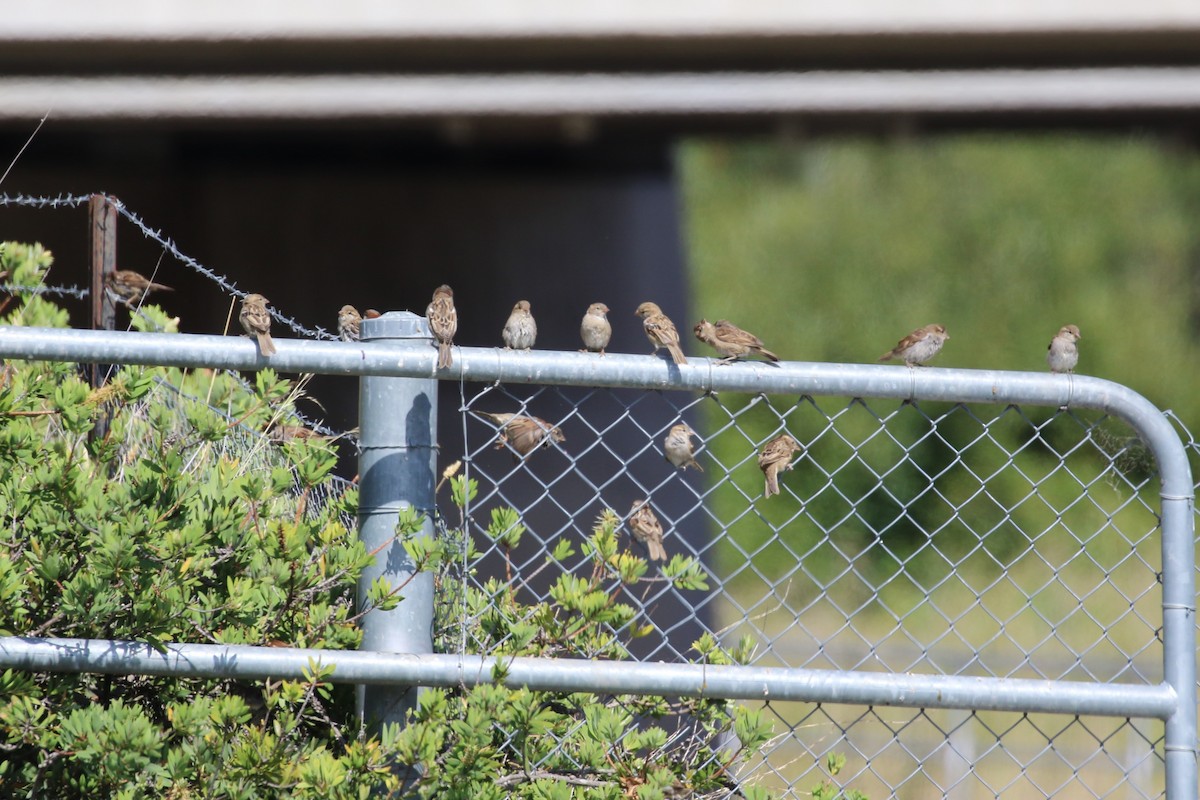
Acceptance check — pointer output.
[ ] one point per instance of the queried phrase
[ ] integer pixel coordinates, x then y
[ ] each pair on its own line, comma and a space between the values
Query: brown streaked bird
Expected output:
595, 330
730, 341
776, 456
256, 321
282, 433
523, 432
443, 321
349, 321
919, 346
131, 287
660, 331
1063, 355
647, 529
520, 331
678, 449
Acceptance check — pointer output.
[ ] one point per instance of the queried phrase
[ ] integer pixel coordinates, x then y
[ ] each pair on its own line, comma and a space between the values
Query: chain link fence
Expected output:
929, 538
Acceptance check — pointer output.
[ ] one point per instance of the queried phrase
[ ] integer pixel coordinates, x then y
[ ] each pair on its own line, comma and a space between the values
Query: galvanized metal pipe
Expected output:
406, 359
397, 463
601, 677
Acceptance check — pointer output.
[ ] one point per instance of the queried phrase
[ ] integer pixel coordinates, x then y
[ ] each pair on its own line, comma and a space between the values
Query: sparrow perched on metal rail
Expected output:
919, 346
776, 456
595, 329
678, 447
256, 321
661, 331
730, 341
520, 331
1063, 355
349, 321
647, 529
131, 287
443, 321
524, 433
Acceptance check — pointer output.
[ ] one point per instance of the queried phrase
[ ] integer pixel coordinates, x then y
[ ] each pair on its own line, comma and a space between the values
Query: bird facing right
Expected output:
776, 456
520, 332
661, 331
647, 529
443, 322
919, 346
595, 330
1063, 355
130, 287
349, 321
256, 322
523, 432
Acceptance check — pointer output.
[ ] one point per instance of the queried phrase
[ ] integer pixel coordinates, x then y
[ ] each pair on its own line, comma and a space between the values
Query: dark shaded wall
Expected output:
314, 224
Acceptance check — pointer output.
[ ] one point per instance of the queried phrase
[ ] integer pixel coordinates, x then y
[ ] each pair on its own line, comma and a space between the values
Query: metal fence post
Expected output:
398, 424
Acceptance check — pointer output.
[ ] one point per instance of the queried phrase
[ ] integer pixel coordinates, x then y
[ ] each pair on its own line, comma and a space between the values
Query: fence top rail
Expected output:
407, 354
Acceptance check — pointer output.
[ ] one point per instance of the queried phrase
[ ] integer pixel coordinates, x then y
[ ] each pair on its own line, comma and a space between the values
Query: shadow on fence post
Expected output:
398, 460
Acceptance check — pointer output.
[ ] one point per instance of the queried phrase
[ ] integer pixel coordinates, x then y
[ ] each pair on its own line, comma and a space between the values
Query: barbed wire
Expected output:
61, 201
66, 291
168, 244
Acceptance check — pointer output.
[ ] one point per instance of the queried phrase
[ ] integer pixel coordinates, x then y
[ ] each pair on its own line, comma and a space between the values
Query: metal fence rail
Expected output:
984, 551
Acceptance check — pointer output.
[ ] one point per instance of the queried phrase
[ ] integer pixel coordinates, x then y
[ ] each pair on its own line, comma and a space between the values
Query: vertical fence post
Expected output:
398, 460
102, 221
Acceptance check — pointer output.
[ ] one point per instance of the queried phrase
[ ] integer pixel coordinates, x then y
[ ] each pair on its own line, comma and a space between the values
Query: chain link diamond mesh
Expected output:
908, 538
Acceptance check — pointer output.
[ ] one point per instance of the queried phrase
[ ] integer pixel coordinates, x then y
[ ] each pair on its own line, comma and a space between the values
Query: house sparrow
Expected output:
776, 457
730, 341
520, 331
525, 433
348, 322
130, 287
678, 447
443, 321
256, 321
919, 346
281, 433
647, 529
1063, 355
595, 329
661, 331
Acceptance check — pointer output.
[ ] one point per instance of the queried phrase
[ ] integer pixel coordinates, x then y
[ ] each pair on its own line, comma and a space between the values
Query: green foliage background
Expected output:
832, 250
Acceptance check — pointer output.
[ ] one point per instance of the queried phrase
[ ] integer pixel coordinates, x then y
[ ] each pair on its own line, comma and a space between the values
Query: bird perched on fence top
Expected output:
595, 330
520, 331
647, 529
1063, 355
678, 447
919, 346
730, 341
776, 456
349, 321
661, 331
256, 321
443, 321
525, 433
131, 287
